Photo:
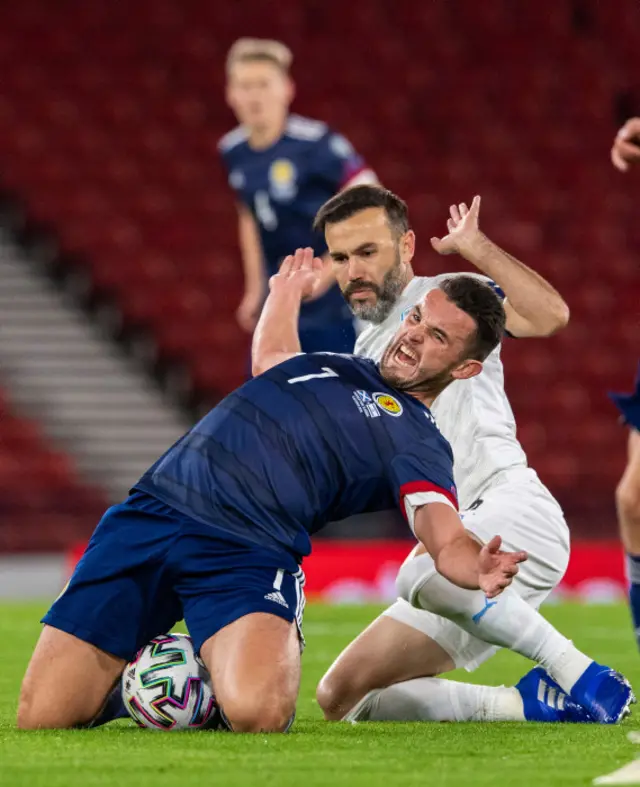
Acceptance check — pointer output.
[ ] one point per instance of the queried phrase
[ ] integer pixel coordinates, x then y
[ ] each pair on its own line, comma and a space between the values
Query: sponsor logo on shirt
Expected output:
282, 180
388, 404
365, 404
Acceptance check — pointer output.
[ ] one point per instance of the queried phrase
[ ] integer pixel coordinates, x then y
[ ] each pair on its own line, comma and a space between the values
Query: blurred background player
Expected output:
624, 153
282, 168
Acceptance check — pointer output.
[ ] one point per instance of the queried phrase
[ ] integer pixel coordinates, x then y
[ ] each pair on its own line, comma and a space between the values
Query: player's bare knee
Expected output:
35, 714
337, 696
27, 713
257, 714
328, 696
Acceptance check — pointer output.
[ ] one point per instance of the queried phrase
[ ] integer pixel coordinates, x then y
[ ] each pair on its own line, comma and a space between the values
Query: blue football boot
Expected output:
543, 700
604, 693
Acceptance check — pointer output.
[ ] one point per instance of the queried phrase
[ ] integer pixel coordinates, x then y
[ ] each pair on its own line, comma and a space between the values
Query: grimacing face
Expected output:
259, 93
429, 349
370, 262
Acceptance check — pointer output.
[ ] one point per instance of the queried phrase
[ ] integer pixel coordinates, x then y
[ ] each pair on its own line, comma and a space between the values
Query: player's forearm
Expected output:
276, 336
459, 563
251, 252
455, 553
534, 307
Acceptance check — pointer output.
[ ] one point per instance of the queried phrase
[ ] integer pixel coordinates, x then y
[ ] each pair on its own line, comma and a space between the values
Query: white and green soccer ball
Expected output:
167, 686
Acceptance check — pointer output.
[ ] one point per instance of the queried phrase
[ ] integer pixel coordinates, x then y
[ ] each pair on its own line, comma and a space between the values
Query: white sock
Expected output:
507, 621
435, 699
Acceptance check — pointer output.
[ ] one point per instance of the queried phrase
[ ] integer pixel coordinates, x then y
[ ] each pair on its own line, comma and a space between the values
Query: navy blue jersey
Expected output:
285, 185
313, 440
629, 404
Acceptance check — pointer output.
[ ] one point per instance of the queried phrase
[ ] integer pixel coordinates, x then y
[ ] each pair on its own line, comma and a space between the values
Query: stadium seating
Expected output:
109, 137
43, 504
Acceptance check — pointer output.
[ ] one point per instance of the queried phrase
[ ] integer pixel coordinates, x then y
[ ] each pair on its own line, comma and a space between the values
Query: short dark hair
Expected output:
357, 198
481, 302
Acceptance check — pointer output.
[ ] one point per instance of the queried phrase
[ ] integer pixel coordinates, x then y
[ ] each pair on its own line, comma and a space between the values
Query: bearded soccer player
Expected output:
217, 528
434, 627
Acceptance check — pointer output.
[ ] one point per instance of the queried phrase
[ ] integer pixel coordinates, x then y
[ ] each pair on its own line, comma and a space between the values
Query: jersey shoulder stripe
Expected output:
302, 128
233, 139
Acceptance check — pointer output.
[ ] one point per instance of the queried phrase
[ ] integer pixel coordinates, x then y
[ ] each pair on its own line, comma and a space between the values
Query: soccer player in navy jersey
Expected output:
625, 153
282, 168
217, 528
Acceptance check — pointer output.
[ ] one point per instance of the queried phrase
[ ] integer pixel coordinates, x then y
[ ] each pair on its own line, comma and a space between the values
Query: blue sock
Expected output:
113, 708
633, 575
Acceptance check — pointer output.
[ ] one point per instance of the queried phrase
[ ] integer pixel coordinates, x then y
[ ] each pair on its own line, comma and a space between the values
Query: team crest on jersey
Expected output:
282, 180
365, 404
389, 404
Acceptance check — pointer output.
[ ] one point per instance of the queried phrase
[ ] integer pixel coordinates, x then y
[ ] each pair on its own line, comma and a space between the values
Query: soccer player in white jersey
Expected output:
386, 673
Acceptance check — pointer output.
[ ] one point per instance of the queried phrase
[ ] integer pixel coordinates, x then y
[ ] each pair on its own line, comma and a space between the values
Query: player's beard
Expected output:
387, 294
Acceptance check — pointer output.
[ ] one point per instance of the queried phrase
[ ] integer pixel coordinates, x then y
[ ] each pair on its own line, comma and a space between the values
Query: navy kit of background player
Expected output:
217, 529
282, 168
625, 153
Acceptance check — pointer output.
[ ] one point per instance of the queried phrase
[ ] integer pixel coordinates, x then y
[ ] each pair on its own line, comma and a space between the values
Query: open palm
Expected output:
300, 270
463, 228
497, 568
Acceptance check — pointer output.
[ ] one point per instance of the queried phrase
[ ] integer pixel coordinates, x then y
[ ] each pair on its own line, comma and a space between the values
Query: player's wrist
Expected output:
475, 248
287, 289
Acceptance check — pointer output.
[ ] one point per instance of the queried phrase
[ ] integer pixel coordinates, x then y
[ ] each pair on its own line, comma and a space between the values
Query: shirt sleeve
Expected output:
423, 474
340, 164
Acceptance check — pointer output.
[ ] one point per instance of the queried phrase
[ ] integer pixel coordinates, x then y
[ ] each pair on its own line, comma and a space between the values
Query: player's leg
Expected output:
408, 643
67, 682
116, 600
243, 607
393, 648
255, 669
628, 506
509, 621
385, 675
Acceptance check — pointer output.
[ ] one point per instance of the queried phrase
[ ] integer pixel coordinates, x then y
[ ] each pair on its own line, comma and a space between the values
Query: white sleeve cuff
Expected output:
417, 499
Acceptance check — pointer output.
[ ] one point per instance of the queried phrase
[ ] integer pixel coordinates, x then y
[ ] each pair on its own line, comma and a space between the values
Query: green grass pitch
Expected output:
316, 753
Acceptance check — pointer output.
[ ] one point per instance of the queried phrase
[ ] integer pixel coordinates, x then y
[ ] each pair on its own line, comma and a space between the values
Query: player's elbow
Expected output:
559, 317
555, 319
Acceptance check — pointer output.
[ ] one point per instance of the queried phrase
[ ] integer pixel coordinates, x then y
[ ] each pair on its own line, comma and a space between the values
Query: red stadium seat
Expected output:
110, 135
43, 503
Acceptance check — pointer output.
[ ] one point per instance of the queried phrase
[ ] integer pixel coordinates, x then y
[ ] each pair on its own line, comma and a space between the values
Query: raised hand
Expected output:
497, 568
463, 229
300, 271
626, 145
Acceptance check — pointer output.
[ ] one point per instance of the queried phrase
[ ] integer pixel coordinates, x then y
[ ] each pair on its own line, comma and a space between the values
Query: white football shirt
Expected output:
474, 415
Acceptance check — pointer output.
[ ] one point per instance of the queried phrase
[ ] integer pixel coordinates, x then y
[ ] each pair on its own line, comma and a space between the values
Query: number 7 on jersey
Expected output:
326, 372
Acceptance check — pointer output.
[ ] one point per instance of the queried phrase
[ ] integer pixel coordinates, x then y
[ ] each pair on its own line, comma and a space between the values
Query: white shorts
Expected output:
521, 510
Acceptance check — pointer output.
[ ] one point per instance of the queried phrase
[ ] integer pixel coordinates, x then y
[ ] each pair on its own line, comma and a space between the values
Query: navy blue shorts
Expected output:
148, 566
629, 404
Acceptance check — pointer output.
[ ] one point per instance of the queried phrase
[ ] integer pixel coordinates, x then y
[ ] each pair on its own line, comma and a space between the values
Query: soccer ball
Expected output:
167, 687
